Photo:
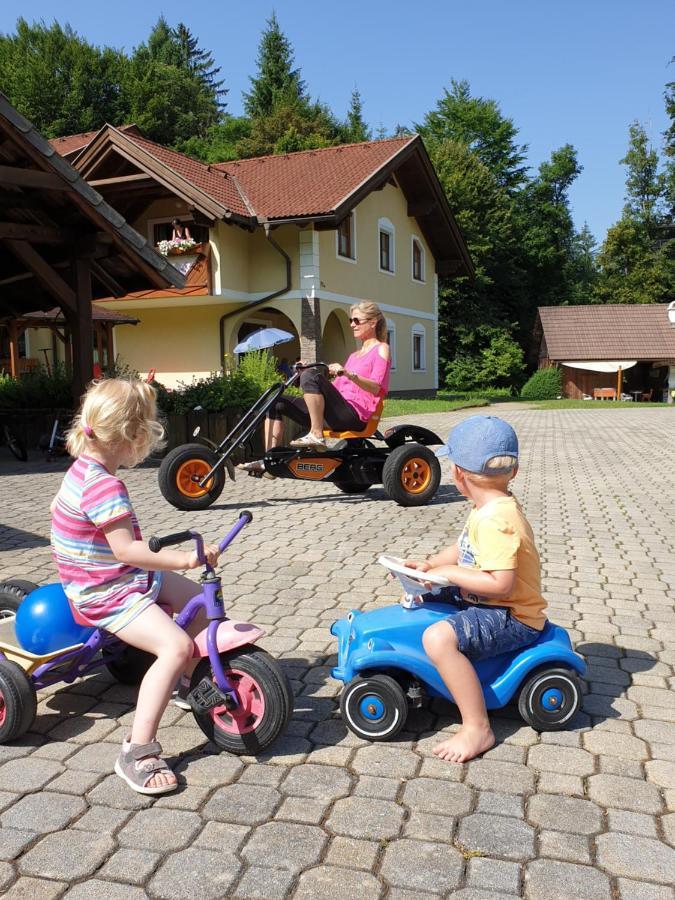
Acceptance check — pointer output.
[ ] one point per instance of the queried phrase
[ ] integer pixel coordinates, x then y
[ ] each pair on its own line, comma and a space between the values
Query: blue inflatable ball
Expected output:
44, 622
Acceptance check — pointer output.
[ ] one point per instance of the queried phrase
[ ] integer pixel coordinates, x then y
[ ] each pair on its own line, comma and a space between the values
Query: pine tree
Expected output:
200, 63
356, 129
277, 82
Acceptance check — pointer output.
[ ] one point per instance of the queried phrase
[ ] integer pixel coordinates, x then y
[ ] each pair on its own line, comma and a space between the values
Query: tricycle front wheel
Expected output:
265, 698
374, 707
179, 475
18, 701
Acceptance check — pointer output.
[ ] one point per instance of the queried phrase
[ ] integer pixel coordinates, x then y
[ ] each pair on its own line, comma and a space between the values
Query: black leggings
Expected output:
338, 413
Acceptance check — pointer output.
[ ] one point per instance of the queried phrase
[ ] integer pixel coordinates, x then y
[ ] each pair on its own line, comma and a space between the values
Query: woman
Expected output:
346, 403
180, 232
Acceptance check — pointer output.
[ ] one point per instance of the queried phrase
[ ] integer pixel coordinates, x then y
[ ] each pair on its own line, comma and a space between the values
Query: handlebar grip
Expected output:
156, 543
245, 514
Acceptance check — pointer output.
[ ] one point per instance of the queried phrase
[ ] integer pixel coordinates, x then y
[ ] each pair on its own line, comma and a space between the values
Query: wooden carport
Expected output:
61, 242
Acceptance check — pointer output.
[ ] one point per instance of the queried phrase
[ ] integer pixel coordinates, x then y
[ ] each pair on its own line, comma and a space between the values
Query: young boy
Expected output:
495, 568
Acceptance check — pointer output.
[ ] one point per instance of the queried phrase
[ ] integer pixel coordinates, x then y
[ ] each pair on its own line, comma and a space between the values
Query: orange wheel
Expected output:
190, 474
415, 475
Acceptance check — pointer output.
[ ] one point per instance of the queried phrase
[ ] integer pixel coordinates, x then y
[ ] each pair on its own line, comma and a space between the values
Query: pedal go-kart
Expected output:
192, 476
239, 695
385, 670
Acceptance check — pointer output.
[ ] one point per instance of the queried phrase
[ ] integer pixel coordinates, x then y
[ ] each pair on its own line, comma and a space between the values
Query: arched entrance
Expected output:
268, 317
337, 341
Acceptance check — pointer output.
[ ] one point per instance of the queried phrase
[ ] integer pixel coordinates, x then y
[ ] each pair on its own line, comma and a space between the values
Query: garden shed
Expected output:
610, 350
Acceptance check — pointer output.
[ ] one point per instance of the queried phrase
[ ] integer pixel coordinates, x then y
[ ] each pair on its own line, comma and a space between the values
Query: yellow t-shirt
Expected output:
498, 537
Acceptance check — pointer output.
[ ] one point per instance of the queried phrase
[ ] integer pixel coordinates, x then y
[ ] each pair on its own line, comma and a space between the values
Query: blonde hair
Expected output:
505, 470
371, 310
115, 411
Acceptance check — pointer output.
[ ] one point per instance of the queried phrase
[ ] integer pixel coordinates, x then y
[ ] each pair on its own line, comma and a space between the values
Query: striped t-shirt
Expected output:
95, 582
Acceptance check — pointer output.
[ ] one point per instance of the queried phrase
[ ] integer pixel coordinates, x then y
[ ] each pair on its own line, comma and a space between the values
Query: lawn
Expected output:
410, 406
591, 404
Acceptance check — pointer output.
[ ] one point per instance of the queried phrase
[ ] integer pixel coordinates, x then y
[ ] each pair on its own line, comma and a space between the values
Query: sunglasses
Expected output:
356, 321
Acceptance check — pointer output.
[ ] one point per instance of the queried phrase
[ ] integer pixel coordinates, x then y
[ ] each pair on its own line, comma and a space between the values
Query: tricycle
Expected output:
192, 476
239, 695
386, 671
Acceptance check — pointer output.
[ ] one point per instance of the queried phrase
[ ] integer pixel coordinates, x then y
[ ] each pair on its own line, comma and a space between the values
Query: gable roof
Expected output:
45, 201
603, 332
320, 186
71, 143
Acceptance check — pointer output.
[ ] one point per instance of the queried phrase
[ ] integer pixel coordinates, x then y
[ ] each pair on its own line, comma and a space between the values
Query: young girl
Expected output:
109, 574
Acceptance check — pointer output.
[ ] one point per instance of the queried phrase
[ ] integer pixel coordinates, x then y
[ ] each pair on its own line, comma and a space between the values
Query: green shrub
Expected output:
544, 384
37, 390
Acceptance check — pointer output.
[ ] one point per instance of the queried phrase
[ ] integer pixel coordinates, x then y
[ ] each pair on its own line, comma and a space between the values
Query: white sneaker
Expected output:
310, 440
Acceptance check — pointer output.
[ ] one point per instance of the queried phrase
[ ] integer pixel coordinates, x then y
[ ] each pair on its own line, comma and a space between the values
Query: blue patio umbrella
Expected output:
263, 340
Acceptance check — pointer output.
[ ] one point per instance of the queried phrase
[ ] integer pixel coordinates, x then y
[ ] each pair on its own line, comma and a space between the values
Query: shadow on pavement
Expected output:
18, 539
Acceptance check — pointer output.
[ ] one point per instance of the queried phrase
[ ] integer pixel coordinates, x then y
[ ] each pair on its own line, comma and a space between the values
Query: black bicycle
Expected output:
12, 440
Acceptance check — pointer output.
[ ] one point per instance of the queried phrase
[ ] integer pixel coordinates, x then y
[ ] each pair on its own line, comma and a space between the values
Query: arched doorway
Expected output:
268, 317
337, 341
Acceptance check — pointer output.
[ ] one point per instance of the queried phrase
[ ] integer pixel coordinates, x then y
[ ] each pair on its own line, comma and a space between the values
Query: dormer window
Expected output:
346, 238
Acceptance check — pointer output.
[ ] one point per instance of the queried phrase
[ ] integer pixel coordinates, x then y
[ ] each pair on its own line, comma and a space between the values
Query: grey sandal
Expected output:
137, 769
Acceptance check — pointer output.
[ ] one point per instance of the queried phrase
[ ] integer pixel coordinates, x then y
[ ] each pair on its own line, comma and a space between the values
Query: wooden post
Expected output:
82, 330
619, 385
13, 349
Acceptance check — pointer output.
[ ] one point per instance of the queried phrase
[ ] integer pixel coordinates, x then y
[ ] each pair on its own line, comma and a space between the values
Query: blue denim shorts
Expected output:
485, 631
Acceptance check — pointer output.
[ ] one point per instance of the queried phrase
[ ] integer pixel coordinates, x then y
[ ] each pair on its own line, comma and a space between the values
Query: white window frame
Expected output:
414, 239
391, 336
418, 330
338, 255
388, 227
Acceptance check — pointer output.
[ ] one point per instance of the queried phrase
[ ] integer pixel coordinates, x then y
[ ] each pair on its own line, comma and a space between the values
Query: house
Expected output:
287, 241
61, 246
621, 348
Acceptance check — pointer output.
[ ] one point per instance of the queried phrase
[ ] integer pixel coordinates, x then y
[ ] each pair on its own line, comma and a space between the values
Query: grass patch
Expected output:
592, 404
411, 406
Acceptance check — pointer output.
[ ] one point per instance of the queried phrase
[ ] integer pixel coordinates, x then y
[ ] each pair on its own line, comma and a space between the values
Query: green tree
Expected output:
582, 268
277, 82
645, 185
356, 129
200, 64
59, 81
669, 146
222, 142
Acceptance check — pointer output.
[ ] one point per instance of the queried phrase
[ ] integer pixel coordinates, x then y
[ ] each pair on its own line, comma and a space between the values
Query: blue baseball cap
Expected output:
476, 440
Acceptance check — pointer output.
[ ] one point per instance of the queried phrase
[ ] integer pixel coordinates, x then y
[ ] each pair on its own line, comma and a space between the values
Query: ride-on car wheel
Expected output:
127, 664
179, 476
411, 474
266, 701
374, 707
549, 698
12, 594
18, 701
351, 487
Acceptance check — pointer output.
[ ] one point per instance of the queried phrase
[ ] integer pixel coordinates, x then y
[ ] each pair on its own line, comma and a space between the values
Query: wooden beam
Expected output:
44, 273
107, 280
33, 178
141, 179
37, 234
82, 330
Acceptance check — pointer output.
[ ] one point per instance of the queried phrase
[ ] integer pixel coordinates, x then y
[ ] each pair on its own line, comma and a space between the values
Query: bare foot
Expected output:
468, 742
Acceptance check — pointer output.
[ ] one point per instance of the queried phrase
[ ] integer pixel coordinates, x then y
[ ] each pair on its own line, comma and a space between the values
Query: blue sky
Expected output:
573, 72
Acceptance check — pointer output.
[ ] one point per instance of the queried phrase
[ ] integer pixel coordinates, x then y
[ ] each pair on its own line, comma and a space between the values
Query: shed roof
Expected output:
611, 331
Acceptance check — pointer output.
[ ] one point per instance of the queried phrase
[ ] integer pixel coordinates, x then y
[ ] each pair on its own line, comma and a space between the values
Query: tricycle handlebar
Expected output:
157, 543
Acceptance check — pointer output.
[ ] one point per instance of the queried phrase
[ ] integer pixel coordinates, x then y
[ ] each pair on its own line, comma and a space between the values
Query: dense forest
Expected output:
517, 224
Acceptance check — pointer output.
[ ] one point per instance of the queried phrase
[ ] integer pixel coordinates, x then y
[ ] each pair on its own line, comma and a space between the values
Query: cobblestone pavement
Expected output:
584, 813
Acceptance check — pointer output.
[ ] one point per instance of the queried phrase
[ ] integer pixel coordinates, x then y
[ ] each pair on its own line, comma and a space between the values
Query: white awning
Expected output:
609, 365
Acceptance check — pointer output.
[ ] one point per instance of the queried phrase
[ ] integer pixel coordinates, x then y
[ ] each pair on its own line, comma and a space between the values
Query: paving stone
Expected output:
263, 883
245, 804
636, 857
114, 792
500, 776
385, 761
352, 853
641, 890
611, 744
14, 841
212, 871
222, 836
209, 769
500, 804
380, 788
668, 825
564, 814
544, 878
67, 855
442, 798
94, 758
497, 836
317, 782
333, 883
270, 776
6, 875
631, 822
75, 782
302, 809
35, 889
564, 845
103, 890
362, 817
616, 765
661, 772
494, 874
130, 866
160, 829
287, 846
624, 793
26, 775
565, 760
43, 812
422, 866
102, 819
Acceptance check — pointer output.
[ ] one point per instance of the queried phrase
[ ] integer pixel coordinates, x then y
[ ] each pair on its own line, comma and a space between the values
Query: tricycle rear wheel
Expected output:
18, 701
550, 698
12, 594
127, 664
179, 474
266, 702
374, 707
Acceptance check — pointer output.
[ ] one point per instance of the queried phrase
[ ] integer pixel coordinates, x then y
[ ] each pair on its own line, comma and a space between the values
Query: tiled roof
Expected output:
613, 331
72, 142
311, 182
98, 315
